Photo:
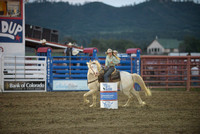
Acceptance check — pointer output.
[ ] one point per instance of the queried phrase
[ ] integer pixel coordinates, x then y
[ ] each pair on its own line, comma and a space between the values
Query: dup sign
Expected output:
11, 31
108, 95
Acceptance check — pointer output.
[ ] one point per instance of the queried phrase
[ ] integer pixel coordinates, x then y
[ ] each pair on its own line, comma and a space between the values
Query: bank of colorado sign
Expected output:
24, 86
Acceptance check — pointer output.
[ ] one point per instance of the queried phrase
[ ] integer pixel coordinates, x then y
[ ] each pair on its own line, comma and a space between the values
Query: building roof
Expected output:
30, 42
34, 42
154, 44
169, 43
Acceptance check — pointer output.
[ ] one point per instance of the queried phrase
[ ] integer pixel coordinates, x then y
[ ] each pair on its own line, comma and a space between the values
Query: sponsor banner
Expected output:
24, 85
110, 86
109, 104
11, 30
108, 95
70, 85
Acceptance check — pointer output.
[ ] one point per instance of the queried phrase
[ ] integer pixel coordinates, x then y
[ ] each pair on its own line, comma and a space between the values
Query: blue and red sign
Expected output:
108, 95
11, 30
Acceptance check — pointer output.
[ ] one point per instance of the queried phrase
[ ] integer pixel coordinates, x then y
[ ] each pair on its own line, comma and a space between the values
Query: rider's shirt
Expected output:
112, 59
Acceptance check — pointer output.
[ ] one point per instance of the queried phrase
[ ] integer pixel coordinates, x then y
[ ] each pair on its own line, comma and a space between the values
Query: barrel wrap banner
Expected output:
108, 95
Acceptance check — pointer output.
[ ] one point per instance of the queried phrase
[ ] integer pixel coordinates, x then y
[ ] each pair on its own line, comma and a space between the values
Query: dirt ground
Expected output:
64, 112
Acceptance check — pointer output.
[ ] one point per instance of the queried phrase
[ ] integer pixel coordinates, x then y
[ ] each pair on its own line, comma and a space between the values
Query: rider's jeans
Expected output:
108, 73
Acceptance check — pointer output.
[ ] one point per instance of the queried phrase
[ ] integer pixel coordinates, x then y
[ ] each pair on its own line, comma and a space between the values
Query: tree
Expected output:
67, 39
119, 45
190, 44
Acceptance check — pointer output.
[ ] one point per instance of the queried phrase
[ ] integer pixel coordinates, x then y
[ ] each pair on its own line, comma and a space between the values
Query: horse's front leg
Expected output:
86, 101
94, 97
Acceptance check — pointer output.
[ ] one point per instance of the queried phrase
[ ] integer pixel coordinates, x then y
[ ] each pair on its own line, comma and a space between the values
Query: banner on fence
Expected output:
24, 74
70, 85
24, 85
108, 95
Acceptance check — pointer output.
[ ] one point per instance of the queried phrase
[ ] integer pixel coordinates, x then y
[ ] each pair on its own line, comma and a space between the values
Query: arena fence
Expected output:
171, 71
128, 64
69, 73
23, 73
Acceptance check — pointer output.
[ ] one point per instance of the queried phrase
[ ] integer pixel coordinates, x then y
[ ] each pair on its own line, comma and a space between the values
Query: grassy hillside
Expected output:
139, 23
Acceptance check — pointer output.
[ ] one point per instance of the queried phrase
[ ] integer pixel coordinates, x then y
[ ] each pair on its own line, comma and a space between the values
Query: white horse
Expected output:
126, 84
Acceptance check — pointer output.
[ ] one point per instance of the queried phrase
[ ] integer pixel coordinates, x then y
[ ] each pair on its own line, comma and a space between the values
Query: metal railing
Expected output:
23, 73
171, 71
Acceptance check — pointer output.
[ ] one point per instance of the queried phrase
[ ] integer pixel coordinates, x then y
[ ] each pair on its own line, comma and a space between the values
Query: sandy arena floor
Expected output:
64, 112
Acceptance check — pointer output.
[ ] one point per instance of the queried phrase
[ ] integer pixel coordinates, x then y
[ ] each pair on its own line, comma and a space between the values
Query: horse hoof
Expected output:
143, 103
125, 105
92, 105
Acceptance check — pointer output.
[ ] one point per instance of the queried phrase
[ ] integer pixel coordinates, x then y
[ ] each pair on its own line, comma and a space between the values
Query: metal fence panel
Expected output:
171, 71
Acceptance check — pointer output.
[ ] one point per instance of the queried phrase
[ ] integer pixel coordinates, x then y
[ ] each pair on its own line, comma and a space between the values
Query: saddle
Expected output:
114, 77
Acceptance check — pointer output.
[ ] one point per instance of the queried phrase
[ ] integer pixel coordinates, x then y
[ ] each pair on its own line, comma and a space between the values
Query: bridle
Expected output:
93, 73
92, 68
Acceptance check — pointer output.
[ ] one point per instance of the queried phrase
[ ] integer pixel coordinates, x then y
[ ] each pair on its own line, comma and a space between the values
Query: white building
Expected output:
163, 46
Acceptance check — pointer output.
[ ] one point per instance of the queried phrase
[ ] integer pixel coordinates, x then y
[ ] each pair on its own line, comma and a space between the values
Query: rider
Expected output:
110, 63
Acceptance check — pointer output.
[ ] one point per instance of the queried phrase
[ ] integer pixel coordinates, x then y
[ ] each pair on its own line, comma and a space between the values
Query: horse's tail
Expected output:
138, 79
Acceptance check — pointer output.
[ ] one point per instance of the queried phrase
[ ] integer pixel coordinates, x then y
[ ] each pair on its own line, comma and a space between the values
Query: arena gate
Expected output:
171, 71
69, 73
23, 73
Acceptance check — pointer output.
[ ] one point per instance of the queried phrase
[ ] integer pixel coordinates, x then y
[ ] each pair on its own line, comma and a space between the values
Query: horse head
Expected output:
94, 67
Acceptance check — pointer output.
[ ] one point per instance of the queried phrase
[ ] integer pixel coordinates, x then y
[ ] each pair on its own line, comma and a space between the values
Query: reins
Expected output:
92, 81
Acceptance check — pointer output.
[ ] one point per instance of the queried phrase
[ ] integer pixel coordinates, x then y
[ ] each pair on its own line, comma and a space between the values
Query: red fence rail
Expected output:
171, 71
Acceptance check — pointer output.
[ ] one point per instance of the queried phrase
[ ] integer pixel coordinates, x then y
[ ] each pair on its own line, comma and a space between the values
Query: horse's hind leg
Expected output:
129, 95
128, 101
136, 93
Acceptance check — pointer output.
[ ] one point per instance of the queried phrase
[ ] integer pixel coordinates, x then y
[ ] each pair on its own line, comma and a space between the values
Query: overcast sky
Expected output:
116, 3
